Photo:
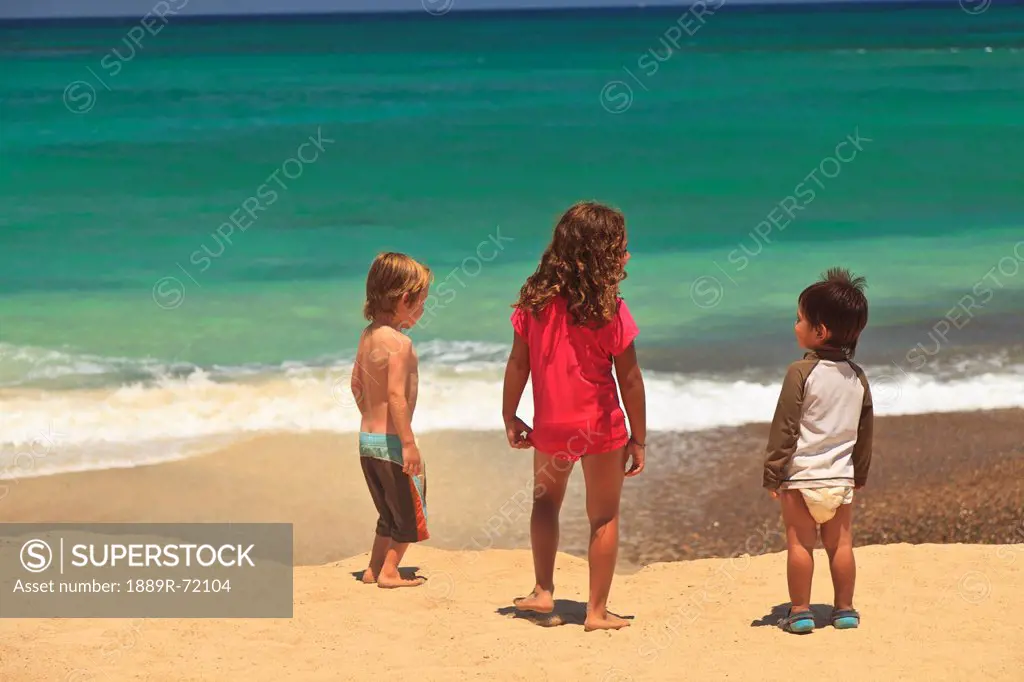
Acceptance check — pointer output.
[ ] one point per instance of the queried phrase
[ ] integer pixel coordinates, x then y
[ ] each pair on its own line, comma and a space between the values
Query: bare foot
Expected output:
368, 577
399, 581
608, 622
540, 601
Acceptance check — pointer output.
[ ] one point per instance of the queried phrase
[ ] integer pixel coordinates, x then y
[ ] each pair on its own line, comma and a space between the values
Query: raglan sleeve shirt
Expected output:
785, 429
865, 433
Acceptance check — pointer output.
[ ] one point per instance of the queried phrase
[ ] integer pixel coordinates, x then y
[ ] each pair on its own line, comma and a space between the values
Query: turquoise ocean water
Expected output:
186, 220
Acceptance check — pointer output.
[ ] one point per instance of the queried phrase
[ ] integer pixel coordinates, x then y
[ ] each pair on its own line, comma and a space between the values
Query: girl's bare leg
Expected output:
604, 474
550, 478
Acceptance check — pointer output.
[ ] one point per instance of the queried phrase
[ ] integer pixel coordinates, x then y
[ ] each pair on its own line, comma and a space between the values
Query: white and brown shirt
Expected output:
821, 433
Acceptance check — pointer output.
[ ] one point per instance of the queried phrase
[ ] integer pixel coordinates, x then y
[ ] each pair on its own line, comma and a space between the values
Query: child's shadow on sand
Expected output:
567, 612
407, 573
822, 614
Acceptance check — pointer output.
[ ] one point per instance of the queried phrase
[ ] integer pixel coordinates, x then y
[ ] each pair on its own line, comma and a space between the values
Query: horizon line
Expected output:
743, 5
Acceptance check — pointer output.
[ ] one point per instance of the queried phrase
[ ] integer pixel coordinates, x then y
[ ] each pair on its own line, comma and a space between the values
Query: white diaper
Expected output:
823, 502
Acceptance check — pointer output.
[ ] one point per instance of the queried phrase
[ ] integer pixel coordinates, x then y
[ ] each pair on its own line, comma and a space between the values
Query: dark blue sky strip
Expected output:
27, 9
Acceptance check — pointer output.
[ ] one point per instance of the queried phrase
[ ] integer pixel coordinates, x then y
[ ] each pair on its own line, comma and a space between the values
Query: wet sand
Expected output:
949, 478
935, 478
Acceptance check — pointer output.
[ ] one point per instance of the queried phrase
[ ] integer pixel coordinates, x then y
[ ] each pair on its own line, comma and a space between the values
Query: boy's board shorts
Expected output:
824, 502
400, 499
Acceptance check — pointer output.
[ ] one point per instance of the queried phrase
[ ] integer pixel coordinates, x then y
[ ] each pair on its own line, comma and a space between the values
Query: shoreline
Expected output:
163, 412
942, 478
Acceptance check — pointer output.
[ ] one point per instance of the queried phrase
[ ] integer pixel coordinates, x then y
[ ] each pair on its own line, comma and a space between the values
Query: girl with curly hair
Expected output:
571, 330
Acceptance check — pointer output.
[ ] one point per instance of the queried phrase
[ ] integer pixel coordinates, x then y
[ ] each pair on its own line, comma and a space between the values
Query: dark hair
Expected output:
837, 301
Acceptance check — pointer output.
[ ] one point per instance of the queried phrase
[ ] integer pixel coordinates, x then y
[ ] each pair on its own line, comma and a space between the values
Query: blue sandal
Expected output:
844, 619
799, 623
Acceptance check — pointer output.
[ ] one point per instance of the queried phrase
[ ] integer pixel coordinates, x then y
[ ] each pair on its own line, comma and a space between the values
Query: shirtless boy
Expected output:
384, 383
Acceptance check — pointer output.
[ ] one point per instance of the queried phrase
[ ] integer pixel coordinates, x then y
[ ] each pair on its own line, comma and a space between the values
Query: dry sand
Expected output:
930, 612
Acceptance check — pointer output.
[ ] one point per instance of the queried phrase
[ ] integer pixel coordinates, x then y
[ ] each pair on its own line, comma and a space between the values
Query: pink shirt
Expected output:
575, 399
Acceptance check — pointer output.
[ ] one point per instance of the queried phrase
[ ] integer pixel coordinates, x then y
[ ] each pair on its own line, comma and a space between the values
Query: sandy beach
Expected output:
931, 611
190, 222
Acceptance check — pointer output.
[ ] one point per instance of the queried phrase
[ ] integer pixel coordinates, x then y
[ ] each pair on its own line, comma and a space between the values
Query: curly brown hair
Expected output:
583, 263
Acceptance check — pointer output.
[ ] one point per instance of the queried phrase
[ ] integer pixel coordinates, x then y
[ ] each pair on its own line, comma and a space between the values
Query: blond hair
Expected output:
391, 276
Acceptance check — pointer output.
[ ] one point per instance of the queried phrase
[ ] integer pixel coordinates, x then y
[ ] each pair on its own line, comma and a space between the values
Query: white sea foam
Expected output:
60, 430
133, 412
